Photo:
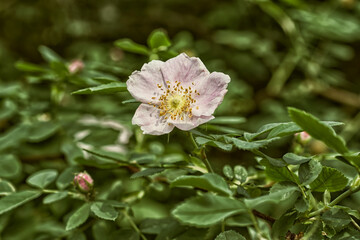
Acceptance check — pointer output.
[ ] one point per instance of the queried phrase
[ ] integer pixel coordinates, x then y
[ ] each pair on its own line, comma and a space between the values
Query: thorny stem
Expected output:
202, 153
134, 225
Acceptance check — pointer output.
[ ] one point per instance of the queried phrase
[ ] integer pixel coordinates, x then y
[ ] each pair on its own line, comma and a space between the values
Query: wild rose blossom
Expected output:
180, 93
83, 182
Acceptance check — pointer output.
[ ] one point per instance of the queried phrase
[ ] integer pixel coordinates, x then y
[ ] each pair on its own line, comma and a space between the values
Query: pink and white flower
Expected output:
83, 182
180, 93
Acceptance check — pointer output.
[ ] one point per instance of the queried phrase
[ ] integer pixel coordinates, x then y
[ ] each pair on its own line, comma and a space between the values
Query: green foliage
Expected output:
209, 181
78, 217
103, 89
42, 178
227, 235
16, 199
207, 210
330, 179
65, 109
318, 130
131, 46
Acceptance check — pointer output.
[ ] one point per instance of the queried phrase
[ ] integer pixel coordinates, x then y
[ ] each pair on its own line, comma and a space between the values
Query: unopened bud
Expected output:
83, 182
76, 66
302, 137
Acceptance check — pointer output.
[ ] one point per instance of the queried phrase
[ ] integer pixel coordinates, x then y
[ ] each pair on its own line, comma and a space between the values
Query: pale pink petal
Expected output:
212, 91
184, 69
143, 85
147, 117
191, 123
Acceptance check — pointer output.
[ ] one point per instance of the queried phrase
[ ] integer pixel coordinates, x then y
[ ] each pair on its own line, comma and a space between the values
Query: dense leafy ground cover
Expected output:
280, 160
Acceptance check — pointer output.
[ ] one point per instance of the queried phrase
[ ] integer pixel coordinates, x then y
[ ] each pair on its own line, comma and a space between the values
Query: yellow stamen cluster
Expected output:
176, 101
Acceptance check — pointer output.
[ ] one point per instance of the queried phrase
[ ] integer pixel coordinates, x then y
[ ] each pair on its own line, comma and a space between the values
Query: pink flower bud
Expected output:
302, 137
76, 66
83, 182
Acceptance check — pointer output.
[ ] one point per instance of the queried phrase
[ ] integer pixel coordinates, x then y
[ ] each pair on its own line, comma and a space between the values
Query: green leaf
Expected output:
147, 172
158, 40
6, 187
125, 234
109, 155
309, 171
113, 87
318, 130
230, 235
291, 128
14, 136
240, 173
16, 199
76, 236
104, 211
276, 203
155, 226
336, 218
54, 197
49, 55
264, 129
282, 225
78, 217
331, 179
214, 143
228, 172
208, 181
8, 109
244, 145
10, 166
130, 46
279, 173
42, 178
282, 129
140, 158
228, 120
208, 209
42, 130
66, 177
29, 67
294, 159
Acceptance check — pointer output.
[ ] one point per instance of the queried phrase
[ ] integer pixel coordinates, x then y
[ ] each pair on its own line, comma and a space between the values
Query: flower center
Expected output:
176, 102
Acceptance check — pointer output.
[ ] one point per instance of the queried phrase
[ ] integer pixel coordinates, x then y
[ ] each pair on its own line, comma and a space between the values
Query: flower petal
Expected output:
212, 91
190, 124
184, 69
143, 85
147, 117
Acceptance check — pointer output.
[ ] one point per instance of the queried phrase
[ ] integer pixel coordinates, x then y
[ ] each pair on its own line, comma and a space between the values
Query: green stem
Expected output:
71, 194
133, 225
255, 223
202, 153
193, 140
206, 161
355, 224
355, 188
